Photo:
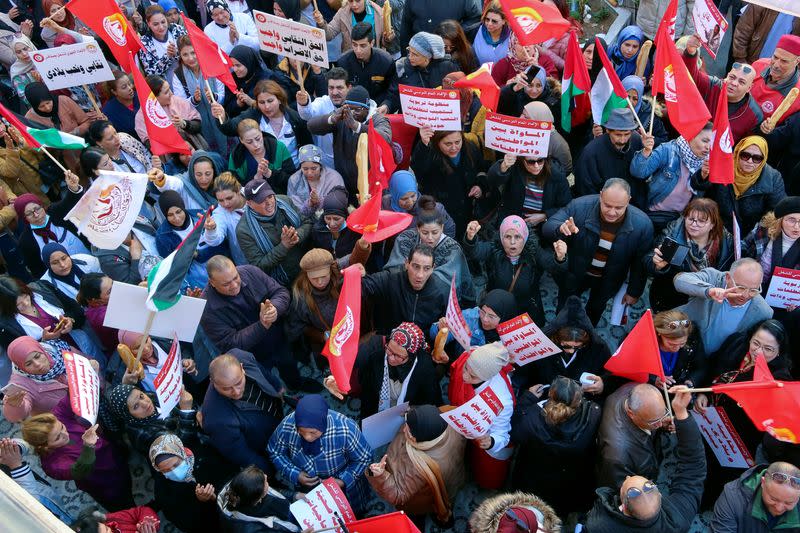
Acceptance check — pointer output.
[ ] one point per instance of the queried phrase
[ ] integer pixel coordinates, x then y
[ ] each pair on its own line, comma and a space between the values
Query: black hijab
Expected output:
170, 199
425, 423
255, 72
290, 8
37, 93
504, 305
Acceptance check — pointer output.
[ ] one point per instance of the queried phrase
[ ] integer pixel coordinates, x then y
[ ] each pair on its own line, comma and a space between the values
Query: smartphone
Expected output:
673, 252
11, 389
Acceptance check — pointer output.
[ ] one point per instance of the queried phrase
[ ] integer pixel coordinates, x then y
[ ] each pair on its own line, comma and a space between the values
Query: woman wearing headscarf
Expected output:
757, 187
534, 86
247, 70
22, 72
185, 484
404, 195
71, 450
154, 356
478, 369
643, 107
422, 470
38, 377
518, 60
58, 112
178, 224
65, 271
393, 370
64, 19
497, 306
228, 29
555, 441
248, 498
309, 186
196, 187
558, 149
315, 443
625, 52
330, 232
139, 412
514, 262
94, 294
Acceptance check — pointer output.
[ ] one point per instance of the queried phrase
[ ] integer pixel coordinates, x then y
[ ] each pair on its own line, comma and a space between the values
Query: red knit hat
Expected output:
790, 43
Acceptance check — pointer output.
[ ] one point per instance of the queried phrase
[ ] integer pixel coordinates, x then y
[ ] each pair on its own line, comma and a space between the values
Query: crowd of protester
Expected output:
601, 214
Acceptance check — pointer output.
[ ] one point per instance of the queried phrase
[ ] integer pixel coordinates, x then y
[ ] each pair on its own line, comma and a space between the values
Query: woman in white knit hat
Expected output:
475, 371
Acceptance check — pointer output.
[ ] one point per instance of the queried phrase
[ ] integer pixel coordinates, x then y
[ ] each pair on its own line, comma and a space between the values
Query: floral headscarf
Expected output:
170, 444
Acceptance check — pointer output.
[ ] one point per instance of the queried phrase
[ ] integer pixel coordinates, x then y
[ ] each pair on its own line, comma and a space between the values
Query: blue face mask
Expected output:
179, 473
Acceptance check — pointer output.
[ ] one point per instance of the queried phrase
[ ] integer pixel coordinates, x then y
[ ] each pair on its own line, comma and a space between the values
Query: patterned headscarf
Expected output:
214, 4
520, 65
118, 402
20, 347
409, 336
170, 444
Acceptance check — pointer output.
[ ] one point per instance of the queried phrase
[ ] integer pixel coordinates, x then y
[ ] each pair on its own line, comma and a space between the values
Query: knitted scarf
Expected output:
692, 162
255, 222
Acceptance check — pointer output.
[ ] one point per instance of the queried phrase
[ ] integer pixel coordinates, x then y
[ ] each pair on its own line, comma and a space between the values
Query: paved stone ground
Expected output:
466, 500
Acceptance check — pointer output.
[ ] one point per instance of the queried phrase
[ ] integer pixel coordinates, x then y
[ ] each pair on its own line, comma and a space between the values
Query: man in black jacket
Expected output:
639, 505
370, 67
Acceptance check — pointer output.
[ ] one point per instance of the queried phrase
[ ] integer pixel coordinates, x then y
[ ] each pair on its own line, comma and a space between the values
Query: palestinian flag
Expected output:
607, 92
165, 280
574, 83
37, 137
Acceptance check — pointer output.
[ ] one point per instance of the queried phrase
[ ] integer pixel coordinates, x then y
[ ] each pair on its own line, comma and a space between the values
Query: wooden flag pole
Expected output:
91, 98
652, 114
630, 105
666, 392
48, 154
150, 317
213, 100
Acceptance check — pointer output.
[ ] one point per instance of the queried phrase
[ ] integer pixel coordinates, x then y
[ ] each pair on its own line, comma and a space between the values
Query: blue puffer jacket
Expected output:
662, 170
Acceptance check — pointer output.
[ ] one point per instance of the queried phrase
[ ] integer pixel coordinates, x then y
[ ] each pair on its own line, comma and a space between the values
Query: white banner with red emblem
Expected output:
322, 507
722, 438
291, 39
169, 380
474, 418
84, 386
71, 65
105, 214
437, 109
710, 25
524, 340
518, 136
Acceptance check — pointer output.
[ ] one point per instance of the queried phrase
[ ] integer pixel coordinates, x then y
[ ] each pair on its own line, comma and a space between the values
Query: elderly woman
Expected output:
514, 262
709, 244
555, 439
127, 154
309, 186
625, 51
331, 233
184, 116
682, 355
22, 72
66, 271
757, 187
669, 171
474, 371
260, 155
38, 379
315, 443
139, 411
448, 258
491, 42
403, 197
69, 450
185, 484
422, 470
248, 498
159, 53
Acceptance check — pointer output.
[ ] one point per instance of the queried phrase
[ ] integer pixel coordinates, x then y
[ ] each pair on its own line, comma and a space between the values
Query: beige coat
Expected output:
20, 177
406, 488
342, 22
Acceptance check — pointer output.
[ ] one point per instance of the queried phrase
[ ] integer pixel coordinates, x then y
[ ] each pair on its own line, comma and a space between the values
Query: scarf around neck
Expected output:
692, 162
255, 222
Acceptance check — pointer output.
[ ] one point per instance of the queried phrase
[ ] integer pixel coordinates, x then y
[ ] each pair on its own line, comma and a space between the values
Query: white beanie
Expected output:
486, 361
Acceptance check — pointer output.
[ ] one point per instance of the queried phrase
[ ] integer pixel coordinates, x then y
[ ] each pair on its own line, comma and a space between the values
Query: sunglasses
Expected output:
535, 161
755, 158
781, 479
675, 324
634, 492
747, 69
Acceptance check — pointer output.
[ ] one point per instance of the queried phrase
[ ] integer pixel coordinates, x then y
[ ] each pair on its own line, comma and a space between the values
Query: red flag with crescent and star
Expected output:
534, 22
720, 161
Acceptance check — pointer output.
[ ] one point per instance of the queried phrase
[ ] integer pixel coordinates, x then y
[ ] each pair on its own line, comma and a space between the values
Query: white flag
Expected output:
107, 211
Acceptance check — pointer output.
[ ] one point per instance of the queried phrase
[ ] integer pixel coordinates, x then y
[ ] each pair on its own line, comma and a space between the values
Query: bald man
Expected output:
744, 113
764, 498
638, 504
628, 436
241, 409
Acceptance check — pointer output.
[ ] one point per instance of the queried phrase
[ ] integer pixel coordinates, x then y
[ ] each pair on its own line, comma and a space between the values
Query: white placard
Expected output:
291, 39
518, 136
84, 386
437, 109
380, 428
169, 380
474, 418
784, 6
784, 288
524, 340
737, 238
710, 25
126, 310
722, 438
71, 65
319, 508
455, 319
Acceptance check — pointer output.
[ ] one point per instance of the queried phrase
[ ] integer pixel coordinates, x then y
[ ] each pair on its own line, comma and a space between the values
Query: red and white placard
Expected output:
321, 507
709, 24
722, 438
455, 319
84, 386
437, 109
169, 380
784, 288
474, 418
524, 340
518, 136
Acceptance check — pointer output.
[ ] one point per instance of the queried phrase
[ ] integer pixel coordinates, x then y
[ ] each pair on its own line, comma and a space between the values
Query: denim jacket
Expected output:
661, 170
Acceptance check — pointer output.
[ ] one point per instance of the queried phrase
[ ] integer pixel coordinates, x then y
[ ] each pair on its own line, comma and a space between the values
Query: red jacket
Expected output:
125, 521
744, 121
769, 99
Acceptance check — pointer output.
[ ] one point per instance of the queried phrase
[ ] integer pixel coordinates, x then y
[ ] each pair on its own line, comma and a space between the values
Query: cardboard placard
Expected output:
169, 380
722, 438
71, 65
518, 136
321, 506
784, 288
437, 109
380, 428
84, 386
291, 39
474, 418
455, 319
524, 340
710, 25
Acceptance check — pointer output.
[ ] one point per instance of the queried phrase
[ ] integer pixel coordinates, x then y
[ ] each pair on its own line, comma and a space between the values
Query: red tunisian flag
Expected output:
482, 80
342, 345
376, 224
638, 356
668, 21
396, 522
773, 406
164, 138
534, 22
107, 21
381, 160
720, 161
672, 79
213, 61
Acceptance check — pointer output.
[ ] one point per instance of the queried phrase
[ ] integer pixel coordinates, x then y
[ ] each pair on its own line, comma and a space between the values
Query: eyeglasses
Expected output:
675, 324
781, 479
766, 348
535, 161
747, 156
634, 492
747, 69
792, 221
35, 211
658, 421
490, 316
696, 222
749, 290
